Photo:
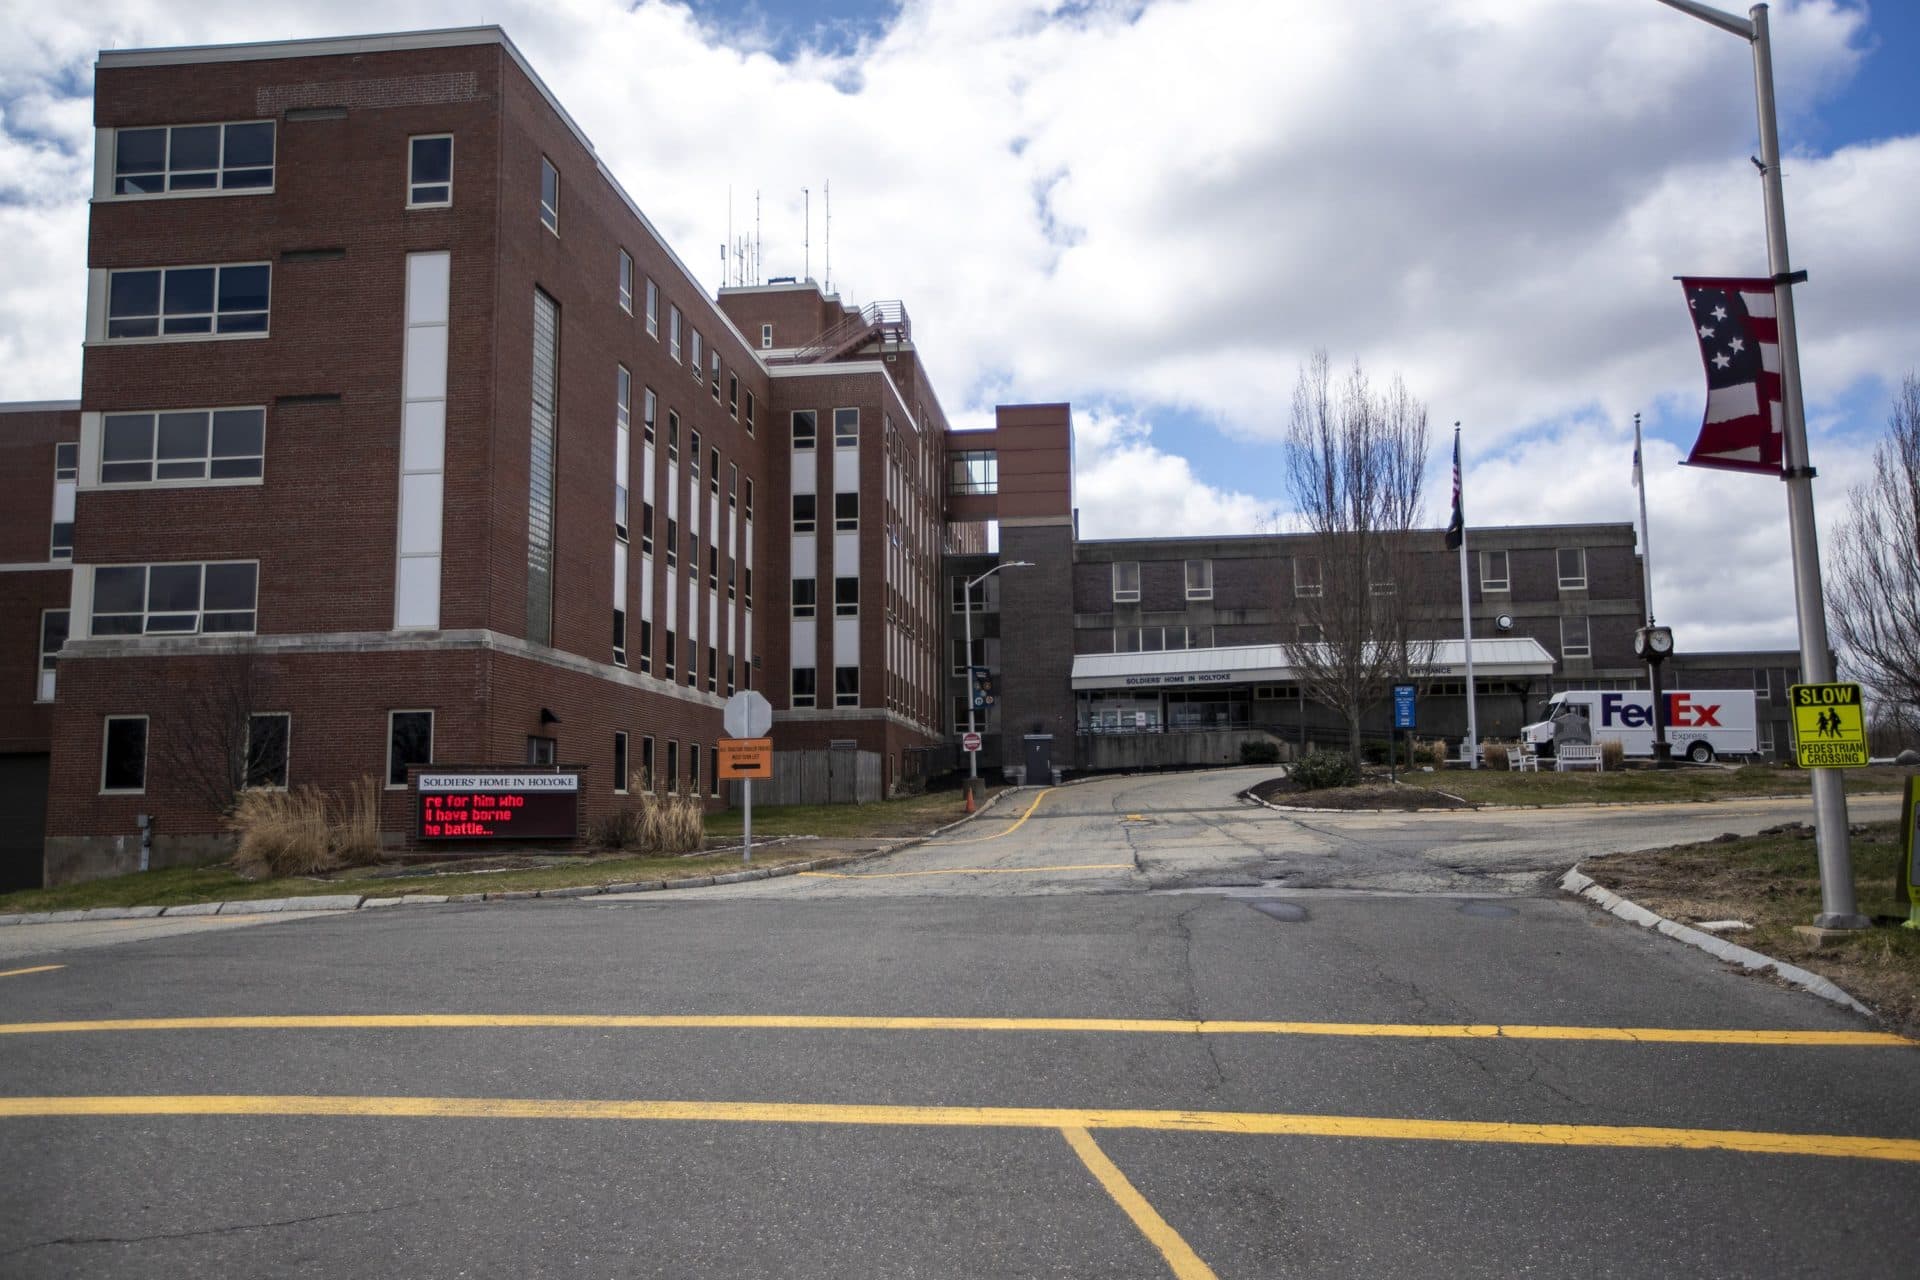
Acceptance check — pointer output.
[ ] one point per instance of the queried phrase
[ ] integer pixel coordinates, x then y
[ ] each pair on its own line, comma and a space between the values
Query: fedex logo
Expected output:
1682, 712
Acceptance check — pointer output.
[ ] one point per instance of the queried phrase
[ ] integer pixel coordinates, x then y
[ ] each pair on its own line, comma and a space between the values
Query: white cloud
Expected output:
1146, 205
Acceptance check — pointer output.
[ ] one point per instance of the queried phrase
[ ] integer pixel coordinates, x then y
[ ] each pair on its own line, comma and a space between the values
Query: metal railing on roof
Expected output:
885, 321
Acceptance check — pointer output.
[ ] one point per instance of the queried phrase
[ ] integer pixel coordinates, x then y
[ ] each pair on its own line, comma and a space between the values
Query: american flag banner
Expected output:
1457, 525
1739, 338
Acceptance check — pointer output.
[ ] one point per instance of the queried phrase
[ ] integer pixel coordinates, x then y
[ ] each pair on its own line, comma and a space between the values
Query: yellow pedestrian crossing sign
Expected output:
1829, 726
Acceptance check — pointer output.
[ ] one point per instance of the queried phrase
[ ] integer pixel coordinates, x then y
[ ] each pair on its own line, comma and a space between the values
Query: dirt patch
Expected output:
1772, 882
1366, 795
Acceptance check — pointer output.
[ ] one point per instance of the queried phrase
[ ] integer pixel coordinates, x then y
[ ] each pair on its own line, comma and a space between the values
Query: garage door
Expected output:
23, 820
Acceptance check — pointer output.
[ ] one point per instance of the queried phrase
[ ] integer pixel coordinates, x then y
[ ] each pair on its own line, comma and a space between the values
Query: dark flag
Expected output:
1457, 526
1739, 340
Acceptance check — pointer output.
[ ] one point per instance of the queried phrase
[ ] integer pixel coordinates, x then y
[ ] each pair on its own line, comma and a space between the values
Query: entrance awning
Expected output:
1500, 659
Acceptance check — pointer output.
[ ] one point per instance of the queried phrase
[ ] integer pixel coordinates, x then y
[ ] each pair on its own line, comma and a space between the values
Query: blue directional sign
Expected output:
1403, 706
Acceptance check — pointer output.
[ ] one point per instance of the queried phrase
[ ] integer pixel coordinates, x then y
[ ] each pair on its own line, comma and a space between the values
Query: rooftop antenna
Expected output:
756, 236
726, 247
806, 234
828, 186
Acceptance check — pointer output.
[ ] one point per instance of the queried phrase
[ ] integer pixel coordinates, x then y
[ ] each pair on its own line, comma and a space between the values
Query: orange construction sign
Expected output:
746, 757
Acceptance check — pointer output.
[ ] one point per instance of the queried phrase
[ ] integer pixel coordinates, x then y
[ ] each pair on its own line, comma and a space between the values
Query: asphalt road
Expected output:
1060, 1042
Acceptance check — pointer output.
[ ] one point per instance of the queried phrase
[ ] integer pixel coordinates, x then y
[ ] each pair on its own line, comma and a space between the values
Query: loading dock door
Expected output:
23, 820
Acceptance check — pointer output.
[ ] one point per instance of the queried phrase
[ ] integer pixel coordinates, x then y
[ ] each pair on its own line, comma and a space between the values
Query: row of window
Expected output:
1126, 580
846, 512
846, 597
806, 428
805, 688
1571, 563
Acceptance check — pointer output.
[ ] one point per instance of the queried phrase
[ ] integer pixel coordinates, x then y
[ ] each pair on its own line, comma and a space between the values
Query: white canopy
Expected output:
1270, 664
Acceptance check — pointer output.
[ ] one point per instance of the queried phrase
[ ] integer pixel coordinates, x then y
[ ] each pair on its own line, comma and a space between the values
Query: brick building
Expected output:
403, 438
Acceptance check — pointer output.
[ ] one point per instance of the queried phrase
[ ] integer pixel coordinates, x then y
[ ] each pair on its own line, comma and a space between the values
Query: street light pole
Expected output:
1816, 657
966, 596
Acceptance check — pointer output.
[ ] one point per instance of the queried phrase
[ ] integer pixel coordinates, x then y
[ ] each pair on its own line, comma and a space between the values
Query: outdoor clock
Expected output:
1653, 642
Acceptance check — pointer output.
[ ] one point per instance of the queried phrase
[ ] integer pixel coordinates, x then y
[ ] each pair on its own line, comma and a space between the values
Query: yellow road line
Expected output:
1185, 1263
1020, 822
1243, 1123
39, 968
830, 1022
965, 871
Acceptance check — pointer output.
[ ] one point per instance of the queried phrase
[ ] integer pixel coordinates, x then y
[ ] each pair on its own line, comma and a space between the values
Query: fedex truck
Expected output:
1701, 723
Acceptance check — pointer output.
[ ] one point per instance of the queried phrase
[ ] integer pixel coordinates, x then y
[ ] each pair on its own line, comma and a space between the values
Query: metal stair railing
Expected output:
884, 320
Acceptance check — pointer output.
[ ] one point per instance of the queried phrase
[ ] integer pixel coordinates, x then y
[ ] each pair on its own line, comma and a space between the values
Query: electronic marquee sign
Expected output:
497, 806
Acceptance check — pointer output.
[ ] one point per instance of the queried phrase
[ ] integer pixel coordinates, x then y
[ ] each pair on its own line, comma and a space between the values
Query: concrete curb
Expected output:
1583, 886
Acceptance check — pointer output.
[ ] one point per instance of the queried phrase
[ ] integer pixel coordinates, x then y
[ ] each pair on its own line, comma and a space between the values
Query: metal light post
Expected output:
1816, 658
966, 597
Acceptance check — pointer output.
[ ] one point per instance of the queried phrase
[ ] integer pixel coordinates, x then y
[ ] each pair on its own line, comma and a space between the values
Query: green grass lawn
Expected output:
1500, 786
884, 819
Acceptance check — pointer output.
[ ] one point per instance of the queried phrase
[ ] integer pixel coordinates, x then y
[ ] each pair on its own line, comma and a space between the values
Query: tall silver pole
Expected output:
1816, 657
973, 757
1466, 613
1646, 529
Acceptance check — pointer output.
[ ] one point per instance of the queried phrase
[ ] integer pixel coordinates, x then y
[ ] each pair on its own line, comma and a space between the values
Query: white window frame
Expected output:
549, 213
1308, 590
1566, 583
621, 751
849, 439
673, 332
1123, 594
653, 309
846, 609
766, 337
213, 334
432, 731
1763, 737
1491, 585
46, 674
625, 281
146, 596
793, 688
111, 175
846, 699
208, 481
414, 186
846, 524
1202, 592
1763, 685
1584, 650
146, 753
246, 758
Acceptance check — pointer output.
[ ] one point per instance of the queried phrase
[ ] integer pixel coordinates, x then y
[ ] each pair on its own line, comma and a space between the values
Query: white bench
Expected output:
1577, 755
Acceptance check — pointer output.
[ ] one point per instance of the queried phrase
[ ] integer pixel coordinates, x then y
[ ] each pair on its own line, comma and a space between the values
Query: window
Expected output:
733, 395
766, 337
626, 282
693, 663
733, 574
730, 673
1308, 632
1762, 685
747, 503
746, 585
619, 762
693, 768
1306, 576
673, 331
803, 686
749, 415
198, 157
693, 552
1763, 737
646, 647
673, 765
646, 763
175, 302
543, 458
409, 742
541, 750
1126, 581
846, 597
653, 309
804, 594
620, 637
846, 512
123, 765
805, 426
693, 362
194, 444
713, 567
976, 599
670, 668
268, 734
1379, 575
1494, 572
430, 172
549, 196
733, 484
1573, 568
713, 362
693, 459
646, 528
53, 638
649, 409
803, 512
673, 436
713, 472
673, 542
1576, 641
66, 472
846, 686
713, 669
973, 471
846, 428
1199, 579
174, 599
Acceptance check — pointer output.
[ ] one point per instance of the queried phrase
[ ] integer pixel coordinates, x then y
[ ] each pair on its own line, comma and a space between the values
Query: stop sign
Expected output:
969, 742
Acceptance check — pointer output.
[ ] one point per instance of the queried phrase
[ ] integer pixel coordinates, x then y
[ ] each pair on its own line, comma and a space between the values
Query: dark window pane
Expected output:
239, 433
173, 588
53, 632
243, 322
229, 586
432, 195
182, 435
128, 624
126, 438
197, 181
125, 472
411, 742
241, 179
126, 764
267, 751
249, 145
139, 151
197, 147
243, 288
133, 293
235, 468
189, 292
182, 623
120, 589
432, 162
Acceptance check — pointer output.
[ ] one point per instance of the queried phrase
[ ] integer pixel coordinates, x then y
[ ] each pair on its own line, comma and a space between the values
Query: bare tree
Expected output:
1873, 582
1355, 460
206, 744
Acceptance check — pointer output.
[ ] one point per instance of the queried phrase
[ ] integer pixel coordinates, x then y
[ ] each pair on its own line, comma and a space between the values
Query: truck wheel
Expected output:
1700, 753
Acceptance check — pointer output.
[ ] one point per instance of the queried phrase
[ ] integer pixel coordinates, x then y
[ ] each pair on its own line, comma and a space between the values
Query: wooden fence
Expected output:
816, 777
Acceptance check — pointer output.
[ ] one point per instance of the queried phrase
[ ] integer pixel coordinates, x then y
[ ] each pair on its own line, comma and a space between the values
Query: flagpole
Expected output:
1837, 901
1466, 609
1646, 529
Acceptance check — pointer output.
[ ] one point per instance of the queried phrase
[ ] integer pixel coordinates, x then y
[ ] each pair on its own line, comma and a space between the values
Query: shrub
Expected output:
1613, 754
300, 832
1318, 770
1260, 751
354, 829
653, 823
1374, 752
1493, 755
1434, 753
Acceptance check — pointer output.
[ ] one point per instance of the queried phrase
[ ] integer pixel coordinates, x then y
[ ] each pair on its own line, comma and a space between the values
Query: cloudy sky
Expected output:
1156, 209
